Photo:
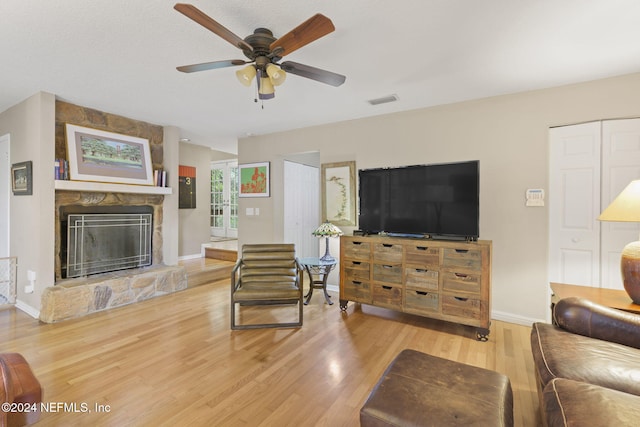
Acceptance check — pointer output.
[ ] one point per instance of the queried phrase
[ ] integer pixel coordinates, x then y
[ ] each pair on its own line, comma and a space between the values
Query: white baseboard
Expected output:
514, 318
193, 256
33, 312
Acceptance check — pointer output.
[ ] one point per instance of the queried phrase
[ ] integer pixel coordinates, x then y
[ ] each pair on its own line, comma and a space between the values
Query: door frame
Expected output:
226, 231
5, 194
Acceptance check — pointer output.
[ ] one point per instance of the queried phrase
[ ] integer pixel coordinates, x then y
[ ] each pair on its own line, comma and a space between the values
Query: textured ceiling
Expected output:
120, 56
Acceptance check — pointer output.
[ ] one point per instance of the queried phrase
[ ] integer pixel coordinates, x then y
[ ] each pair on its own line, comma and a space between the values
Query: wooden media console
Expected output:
446, 280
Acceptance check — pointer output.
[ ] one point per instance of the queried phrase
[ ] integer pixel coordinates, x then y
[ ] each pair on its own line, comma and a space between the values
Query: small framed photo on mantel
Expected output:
21, 179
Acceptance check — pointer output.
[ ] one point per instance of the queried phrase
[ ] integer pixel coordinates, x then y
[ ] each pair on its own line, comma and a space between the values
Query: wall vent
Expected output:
383, 100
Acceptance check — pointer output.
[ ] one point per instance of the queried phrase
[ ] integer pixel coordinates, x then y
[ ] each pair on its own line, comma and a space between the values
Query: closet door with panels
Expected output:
589, 165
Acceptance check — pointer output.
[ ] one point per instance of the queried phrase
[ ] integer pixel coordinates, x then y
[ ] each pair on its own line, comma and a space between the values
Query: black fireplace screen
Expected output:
98, 243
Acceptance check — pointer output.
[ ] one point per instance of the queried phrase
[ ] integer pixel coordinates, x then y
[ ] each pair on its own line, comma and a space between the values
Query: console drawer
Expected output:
356, 270
387, 273
417, 300
356, 290
357, 249
420, 278
387, 252
468, 259
468, 308
387, 296
459, 282
422, 255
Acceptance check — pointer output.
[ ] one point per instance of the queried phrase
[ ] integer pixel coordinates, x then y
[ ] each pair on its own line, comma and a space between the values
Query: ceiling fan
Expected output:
265, 51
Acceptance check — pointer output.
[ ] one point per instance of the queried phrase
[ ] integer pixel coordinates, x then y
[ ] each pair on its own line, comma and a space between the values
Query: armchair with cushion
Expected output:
266, 274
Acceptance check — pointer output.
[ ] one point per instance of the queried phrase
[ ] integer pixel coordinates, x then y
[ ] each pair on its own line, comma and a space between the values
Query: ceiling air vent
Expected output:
383, 100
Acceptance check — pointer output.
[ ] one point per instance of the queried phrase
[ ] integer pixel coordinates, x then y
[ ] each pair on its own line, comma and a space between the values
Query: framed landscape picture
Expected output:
339, 192
96, 155
21, 179
254, 180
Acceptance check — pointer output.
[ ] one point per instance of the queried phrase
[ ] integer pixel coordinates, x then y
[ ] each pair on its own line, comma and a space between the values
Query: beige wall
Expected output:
31, 125
194, 227
508, 134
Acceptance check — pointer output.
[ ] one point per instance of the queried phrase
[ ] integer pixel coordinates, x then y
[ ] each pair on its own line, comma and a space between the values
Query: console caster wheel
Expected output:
482, 335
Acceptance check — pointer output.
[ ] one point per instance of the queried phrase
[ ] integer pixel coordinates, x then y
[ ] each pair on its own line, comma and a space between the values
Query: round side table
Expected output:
315, 266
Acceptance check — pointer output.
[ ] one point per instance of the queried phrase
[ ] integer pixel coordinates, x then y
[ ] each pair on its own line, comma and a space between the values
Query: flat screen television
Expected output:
436, 201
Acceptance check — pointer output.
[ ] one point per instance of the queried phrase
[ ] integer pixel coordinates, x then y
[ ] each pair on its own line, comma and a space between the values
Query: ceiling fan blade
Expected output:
310, 30
210, 65
203, 19
313, 73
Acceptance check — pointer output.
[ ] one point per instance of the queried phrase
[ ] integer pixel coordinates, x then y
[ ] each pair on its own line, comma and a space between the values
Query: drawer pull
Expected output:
461, 299
355, 282
422, 248
387, 245
387, 287
356, 262
421, 270
356, 243
460, 275
462, 251
387, 266
422, 293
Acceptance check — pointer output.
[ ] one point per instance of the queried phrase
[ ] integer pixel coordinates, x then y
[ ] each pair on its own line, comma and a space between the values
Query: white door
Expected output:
5, 191
224, 199
574, 204
301, 207
590, 164
620, 166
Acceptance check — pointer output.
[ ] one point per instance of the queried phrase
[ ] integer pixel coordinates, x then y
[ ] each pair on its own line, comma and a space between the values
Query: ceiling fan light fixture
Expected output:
246, 75
276, 75
265, 88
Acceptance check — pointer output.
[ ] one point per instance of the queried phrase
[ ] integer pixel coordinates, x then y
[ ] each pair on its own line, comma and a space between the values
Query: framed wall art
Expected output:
96, 155
21, 178
187, 187
339, 192
254, 180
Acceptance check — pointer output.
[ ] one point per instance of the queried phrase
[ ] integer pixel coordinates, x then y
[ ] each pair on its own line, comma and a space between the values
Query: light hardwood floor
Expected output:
173, 361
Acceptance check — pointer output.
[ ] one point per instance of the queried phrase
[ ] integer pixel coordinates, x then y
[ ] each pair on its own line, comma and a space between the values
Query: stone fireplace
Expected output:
82, 284
78, 296
111, 244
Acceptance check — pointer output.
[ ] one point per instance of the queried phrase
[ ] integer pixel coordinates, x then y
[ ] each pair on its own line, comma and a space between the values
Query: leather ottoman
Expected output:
418, 389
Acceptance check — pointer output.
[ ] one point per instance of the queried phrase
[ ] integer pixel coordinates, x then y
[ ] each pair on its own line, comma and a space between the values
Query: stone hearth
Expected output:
78, 297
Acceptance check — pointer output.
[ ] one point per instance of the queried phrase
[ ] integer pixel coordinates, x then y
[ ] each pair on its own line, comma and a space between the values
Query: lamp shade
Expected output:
246, 75
265, 88
327, 229
276, 74
625, 207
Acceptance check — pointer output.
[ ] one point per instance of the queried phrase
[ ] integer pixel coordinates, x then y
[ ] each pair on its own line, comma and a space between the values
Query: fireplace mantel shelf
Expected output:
104, 187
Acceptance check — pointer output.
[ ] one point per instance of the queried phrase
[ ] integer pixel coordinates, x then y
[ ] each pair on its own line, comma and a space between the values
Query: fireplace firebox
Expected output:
99, 239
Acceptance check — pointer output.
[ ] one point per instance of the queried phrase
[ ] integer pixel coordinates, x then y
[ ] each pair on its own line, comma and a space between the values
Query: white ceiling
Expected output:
119, 56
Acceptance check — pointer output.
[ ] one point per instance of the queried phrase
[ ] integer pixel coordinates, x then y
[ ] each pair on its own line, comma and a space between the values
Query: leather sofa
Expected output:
587, 365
